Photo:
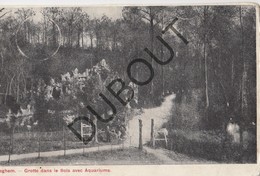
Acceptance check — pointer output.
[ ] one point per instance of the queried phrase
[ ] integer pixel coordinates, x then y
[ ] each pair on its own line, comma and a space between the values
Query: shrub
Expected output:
207, 144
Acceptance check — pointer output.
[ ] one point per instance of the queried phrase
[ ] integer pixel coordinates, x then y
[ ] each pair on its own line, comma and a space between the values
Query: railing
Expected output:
35, 141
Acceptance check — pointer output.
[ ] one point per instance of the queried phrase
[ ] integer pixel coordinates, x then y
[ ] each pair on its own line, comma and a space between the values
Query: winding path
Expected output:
59, 152
171, 157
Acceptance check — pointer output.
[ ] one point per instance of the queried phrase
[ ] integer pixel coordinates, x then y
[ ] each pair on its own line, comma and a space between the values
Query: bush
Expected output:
208, 145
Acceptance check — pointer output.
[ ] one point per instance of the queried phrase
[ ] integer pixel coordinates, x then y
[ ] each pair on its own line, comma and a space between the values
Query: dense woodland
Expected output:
214, 74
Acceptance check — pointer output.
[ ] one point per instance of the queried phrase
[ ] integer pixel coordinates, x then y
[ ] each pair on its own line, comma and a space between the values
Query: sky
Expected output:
113, 12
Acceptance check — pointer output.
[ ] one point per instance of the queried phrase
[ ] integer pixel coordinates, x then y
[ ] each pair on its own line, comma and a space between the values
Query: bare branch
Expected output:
146, 18
4, 14
159, 10
145, 11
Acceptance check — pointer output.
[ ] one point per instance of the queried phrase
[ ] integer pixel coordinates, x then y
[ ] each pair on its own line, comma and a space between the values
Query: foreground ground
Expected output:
114, 157
118, 157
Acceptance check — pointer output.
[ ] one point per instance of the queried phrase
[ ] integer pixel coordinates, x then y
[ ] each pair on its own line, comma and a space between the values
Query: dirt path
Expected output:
165, 156
59, 152
171, 157
160, 115
160, 154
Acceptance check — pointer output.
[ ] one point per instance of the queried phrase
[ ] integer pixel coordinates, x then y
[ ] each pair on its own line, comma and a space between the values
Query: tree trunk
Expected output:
11, 146
91, 42
96, 131
244, 102
162, 55
78, 43
152, 133
140, 134
205, 59
64, 139
82, 39
18, 92
232, 72
53, 34
2, 63
10, 87
39, 145
45, 30
152, 42
70, 42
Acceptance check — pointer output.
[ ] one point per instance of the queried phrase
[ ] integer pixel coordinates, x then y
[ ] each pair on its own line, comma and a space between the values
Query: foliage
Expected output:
219, 60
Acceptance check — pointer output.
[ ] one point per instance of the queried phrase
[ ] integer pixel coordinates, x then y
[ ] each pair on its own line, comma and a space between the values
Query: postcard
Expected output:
126, 90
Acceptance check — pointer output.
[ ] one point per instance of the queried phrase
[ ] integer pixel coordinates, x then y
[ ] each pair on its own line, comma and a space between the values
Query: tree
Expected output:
53, 14
24, 15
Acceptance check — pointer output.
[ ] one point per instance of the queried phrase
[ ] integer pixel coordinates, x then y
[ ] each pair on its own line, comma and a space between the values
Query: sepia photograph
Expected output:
128, 85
